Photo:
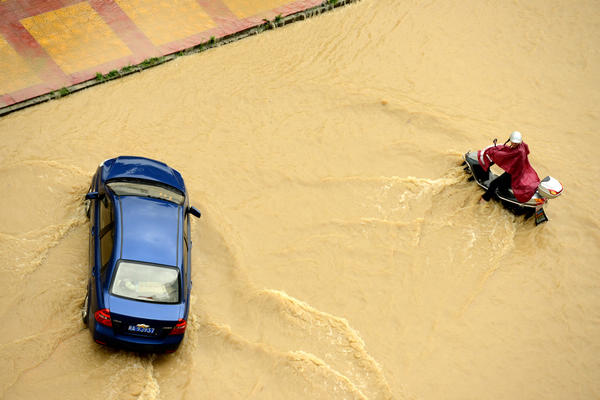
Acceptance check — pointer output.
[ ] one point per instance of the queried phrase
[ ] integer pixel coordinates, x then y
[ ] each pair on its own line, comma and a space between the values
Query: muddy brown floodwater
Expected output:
342, 253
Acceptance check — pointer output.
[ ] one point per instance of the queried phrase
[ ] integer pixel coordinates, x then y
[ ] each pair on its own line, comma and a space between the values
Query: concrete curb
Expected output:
327, 5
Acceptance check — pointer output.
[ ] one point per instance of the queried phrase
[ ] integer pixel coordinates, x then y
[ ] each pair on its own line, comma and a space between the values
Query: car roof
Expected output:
150, 230
129, 167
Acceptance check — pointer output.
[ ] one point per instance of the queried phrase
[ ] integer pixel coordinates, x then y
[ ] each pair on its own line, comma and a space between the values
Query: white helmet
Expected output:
515, 137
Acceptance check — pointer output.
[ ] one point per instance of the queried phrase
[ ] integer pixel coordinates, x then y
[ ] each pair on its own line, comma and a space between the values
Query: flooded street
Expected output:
342, 253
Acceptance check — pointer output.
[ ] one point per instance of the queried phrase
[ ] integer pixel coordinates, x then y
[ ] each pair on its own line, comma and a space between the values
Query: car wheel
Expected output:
85, 311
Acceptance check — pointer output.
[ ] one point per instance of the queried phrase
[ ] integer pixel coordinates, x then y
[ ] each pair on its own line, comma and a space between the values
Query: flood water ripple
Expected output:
342, 252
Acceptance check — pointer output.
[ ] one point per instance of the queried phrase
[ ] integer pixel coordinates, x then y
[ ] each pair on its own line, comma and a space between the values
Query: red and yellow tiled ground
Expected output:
49, 44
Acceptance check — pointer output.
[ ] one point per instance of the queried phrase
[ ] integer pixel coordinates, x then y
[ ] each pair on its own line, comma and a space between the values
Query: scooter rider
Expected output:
519, 174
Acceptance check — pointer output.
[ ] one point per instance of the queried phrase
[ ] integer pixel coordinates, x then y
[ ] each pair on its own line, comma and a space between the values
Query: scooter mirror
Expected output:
495, 141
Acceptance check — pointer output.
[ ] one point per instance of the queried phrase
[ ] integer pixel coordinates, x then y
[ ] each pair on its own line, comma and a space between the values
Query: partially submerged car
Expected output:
139, 282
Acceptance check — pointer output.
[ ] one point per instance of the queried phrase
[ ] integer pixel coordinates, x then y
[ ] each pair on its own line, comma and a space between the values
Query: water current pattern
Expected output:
342, 253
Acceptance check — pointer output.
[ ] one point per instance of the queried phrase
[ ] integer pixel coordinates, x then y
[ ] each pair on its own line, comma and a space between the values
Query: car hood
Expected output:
150, 230
128, 167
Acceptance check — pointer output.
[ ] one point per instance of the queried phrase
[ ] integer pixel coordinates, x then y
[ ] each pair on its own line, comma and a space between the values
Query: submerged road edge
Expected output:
277, 22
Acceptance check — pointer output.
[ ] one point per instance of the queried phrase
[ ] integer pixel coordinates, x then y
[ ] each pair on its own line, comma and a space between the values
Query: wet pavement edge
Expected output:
196, 47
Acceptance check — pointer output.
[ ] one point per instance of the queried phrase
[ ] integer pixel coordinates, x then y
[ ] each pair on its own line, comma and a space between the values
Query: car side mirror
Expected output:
91, 196
194, 211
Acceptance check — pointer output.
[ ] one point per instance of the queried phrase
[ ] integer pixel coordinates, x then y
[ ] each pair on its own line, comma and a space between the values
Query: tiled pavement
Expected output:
46, 45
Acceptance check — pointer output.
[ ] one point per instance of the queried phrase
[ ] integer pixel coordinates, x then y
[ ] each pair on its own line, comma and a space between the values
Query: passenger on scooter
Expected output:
519, 174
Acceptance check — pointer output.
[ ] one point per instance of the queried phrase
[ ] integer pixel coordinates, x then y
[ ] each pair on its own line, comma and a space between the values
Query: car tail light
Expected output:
103, 317
179, 329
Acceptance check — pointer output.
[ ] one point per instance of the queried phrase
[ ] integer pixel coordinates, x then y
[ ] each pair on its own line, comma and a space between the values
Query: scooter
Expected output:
549, 188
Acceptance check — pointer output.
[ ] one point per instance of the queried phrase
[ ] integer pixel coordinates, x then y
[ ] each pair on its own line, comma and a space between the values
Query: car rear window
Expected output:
146, 189
146, 282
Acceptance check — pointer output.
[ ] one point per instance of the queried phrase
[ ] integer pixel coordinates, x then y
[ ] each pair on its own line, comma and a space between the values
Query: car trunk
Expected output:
143, 319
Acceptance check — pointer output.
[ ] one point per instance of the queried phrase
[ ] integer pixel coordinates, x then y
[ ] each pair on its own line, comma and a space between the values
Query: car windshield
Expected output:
146, 282
146, 189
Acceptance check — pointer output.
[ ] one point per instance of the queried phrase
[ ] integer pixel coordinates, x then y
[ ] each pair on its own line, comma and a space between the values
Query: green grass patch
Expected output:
63, 91
150, 62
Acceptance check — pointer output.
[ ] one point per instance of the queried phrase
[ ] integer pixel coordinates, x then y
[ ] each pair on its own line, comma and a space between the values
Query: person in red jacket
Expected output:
519, 174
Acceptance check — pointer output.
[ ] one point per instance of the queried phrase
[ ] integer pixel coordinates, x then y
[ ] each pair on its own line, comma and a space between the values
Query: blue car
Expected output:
139, 283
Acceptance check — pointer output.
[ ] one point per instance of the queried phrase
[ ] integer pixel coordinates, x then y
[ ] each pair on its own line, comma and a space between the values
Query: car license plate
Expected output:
140, 329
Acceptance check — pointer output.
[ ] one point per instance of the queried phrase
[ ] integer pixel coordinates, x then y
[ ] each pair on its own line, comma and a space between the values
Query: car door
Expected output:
93, 236
92, 213
187, 262
101, 246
